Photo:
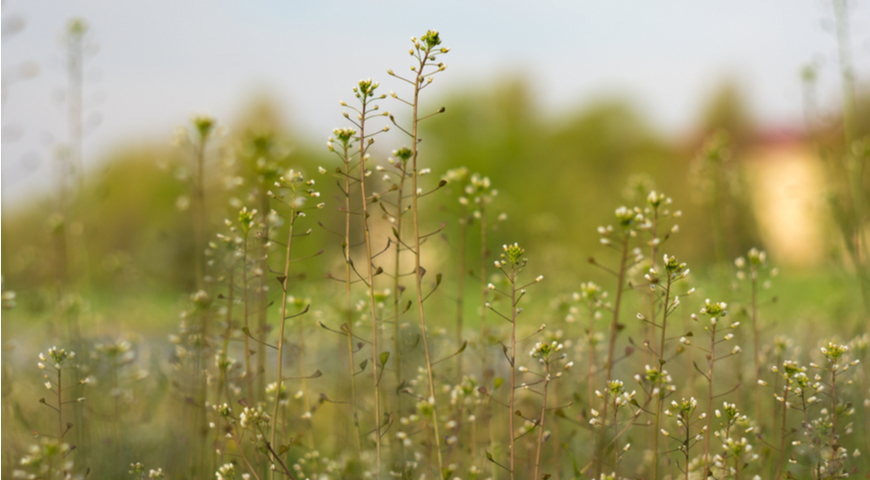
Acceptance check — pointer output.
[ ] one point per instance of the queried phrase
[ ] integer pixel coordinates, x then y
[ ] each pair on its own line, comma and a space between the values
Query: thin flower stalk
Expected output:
594, 297
348, 305
833, 354
424, 52
685, 409
249, 375
627, 220
223, 361
205, 128
513, 256
755, 345
260, 152
401, 163
365, 92
460, 283
484, 374
756, 260
795, 379
541, 426
649, 332
862, 345
545, 352
707, 431
715, 311
56, 360
675, 271
345, 137
296, 184
262, 291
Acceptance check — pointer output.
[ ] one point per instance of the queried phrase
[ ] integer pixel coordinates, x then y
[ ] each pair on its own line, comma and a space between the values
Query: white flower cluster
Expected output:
226, 471
253, 417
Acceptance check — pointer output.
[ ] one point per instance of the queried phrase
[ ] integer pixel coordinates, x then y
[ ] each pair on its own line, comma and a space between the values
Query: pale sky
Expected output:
161, 60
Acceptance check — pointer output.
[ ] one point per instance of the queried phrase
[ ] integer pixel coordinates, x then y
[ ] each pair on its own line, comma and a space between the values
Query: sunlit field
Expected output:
445, 287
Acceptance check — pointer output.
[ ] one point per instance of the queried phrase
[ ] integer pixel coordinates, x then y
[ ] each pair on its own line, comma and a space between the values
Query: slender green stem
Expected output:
348, 308
397, 272
418, 83
541, 426
834, 468
262, 293
484, 377
649, 332
658, 388
611, 349
557, 437
227, 332
707, 433
242, 452
783, 433
755, 343
864, 383
60, 415
615, 440
460, 287
280, 361
222, 380
199, 215
248, 374
513, 279
371, 281
203, 390
590, 374
687, 444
